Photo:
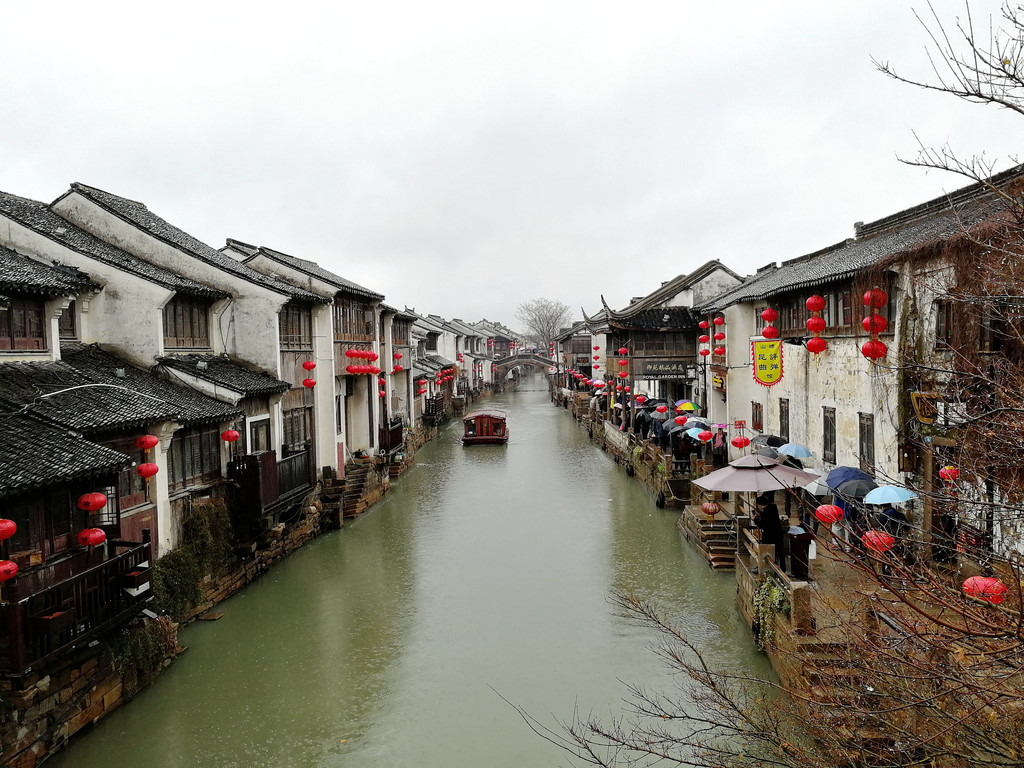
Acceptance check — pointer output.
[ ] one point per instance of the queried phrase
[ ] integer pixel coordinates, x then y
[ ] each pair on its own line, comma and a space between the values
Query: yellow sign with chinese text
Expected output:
767, 357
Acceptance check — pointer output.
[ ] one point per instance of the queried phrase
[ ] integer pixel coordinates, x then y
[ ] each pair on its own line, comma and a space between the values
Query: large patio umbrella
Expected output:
754, 473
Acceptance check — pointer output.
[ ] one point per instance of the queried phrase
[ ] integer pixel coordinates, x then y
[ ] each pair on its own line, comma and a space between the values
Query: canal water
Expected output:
484, 575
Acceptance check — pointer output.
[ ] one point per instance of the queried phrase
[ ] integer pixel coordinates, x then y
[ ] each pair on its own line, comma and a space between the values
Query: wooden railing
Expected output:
58, 618
294, 473
261, 483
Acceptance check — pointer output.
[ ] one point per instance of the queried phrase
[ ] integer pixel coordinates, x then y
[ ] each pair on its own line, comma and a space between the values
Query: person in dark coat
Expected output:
894, 522
770, 525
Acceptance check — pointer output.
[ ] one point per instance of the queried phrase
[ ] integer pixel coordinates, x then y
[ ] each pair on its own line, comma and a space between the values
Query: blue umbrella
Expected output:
795, 450
694, 433
889, 494
840, 475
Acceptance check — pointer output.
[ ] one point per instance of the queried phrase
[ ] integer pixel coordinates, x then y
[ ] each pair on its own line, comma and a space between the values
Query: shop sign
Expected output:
767, 357
664, 369
718, 382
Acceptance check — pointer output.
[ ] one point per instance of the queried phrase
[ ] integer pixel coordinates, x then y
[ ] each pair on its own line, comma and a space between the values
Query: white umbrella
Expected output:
817, 487
754, 473
795, 450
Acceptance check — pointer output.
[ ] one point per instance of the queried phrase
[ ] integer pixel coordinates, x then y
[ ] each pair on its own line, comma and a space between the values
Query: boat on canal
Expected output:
485, 427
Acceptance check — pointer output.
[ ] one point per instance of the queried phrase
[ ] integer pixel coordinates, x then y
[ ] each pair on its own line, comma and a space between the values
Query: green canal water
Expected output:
485, 574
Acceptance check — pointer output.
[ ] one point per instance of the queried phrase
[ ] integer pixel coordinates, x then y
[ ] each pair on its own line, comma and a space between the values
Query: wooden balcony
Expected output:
262, 486
42, 618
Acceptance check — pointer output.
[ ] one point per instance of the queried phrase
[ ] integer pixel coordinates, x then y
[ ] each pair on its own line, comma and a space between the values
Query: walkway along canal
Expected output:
485, 571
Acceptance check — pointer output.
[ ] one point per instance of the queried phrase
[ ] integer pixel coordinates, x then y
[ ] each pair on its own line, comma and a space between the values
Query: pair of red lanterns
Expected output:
8, 568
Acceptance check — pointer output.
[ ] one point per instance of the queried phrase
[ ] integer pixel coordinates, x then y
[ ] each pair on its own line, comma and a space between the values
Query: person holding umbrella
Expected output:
770, 525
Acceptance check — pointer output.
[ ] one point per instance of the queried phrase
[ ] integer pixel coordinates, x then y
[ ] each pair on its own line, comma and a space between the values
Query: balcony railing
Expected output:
391, 435
262, 486
40, 621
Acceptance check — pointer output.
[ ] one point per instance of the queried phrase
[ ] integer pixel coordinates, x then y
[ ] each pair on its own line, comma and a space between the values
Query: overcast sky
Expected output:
462, 158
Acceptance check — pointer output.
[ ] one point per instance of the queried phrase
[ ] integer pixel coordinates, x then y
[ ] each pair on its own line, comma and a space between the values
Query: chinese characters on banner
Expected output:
767, 357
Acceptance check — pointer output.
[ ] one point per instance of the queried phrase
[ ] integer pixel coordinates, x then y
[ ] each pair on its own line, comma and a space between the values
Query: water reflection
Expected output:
486, 569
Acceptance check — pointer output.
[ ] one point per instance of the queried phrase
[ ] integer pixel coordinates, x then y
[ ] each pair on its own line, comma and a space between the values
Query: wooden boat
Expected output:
484, 428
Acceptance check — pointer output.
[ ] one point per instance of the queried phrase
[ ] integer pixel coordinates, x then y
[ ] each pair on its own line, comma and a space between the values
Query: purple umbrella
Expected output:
754, 473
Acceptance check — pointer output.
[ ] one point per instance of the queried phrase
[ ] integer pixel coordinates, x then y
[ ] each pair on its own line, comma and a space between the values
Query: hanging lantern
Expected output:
874, 349
350, 353
91, 537
815, 303
147, 470
875, 324
705, 352
623, 351
949, 473
878, 541
374, 356
719, 336
740, 441
623, 375
397, 356
719, 350
382, 393
641, 399
719, 321
769, 315
816, 345
7, 529
662, 409
351, 369
710, 508
8, 570
145, 442
704, 435
828, 514
627, 387
623, 363
875, 298
229, 435
309, 365
91, 502
596, 348
816, 324
397, 369
704, 324
704, 338
309, 383
618, 387
680, 420
987, 589
382, 381
770, 332
595, 366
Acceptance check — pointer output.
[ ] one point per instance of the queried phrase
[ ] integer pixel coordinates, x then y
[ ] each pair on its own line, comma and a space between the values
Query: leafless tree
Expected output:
542, 319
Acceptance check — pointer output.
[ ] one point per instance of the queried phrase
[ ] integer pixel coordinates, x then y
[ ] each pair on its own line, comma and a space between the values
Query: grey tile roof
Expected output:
902, 232
313, 269
227, 373
190, 407
87, 405
39, 218
139, 215
34, 454
662, 318
20, 274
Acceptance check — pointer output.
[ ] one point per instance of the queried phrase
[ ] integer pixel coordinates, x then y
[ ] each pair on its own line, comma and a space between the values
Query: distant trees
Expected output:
541, 320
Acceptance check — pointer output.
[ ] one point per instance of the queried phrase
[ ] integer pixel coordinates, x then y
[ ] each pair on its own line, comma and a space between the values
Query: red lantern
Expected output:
704, 324
740, 441
229, 435
374, 356
381, 381
949, 473
397, 356
595, 366
875, 298
719, 321
350, 353
719, 350
710, 508
988, 589
705, 435
146, 442
309, 365
641, 399
719, 336
769, 315
382, 393
7, 529
8, 570
618, 387
770, 332
92, 502
147, 470
623, 362
596, 348
828, 514
623, 351
704, 338
874, 349
309, 383
662, 409
91, 537
397, 369
816, 324
816, 345
874, 324
680, 420
815, 303
705, 352
878, 541
623, 374
597, 357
